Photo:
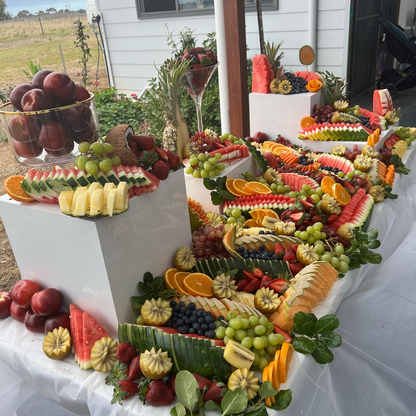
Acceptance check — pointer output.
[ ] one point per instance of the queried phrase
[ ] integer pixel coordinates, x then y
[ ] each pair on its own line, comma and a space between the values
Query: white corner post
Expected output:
222, 67
313, 30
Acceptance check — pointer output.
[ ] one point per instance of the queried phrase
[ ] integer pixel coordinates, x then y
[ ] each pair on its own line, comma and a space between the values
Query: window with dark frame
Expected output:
174, 8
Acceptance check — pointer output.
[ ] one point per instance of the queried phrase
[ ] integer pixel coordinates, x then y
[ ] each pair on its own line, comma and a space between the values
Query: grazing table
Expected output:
374, 371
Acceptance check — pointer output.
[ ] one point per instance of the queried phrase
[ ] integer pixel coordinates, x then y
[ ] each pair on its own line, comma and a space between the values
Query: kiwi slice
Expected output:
57, 344
103, 354
266, 300
245, 379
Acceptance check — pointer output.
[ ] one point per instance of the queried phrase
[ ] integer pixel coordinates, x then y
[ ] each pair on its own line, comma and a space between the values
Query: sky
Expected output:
15, 6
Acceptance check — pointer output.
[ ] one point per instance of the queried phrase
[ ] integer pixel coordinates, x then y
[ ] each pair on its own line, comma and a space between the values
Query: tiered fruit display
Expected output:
54, 131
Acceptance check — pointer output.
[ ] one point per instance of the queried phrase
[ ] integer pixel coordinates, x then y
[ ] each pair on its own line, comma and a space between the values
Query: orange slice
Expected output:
169, 275
326, 184
230, 187
198, 284
341, 194
14, 190
258, 188
270, 213
266, 374
240, 187
177, 282
251, 223
285, 357
271, 375
276, 378
307, 122
257, 214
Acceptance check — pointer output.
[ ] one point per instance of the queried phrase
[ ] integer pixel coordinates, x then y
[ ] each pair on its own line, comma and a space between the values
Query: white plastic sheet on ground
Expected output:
374, 371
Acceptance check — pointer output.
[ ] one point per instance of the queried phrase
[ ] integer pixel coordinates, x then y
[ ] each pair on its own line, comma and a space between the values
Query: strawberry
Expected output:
290, 255
144, 142
265, 281
186, 56
174, 160
161, 169
295, 268
125, 352
294, 247
242, 284
215, 393
155, 393
278, 330
195, 51
252, 286
135, 371
125, 390
134, 147
203, 382
278, 285
170, 382
257, 272
248, 275
332, 218
197, 68
278, 248
306, 204
211, 56
162, 154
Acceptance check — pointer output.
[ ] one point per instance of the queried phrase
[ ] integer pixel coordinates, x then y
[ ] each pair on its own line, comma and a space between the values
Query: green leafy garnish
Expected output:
399, 166
387, 189
360, 252
151, 287
257, 156
219, 191
317, 336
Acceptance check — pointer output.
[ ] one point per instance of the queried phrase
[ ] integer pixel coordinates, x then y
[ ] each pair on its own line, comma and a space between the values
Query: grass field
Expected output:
22, 41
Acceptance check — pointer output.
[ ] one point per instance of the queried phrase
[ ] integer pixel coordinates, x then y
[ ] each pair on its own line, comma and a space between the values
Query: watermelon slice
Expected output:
262, 74
76, 332
91, 333
382, 102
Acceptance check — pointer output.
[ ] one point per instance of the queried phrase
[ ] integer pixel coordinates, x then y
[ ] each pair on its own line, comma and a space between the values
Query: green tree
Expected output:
3, 14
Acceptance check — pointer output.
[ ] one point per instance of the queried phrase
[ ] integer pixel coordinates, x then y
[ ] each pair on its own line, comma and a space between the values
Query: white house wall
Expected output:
134, 45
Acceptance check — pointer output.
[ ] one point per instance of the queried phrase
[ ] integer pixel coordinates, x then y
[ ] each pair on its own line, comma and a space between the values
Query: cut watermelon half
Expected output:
76, 332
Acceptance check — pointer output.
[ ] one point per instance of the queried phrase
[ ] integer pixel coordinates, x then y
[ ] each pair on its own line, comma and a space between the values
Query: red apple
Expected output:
53, 136
66, 150
23, 291
27, 150
61, 87
57, 320
37, 99
81, 93
5, 302
39, 77
47, 302
260, 137
87, 135
18, 92
24, 128
17, 312
77, 118
35, 323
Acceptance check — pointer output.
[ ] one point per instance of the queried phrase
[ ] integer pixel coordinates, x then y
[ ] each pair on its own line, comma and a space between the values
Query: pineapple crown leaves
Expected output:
271, 50
152, 288
148, 159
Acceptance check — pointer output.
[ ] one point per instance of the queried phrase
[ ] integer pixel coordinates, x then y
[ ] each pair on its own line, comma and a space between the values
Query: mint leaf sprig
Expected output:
317, 336
360, 252
219, 191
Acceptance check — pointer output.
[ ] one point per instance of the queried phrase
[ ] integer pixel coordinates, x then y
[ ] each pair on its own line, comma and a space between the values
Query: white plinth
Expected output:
196, 190
275, 114
97, 263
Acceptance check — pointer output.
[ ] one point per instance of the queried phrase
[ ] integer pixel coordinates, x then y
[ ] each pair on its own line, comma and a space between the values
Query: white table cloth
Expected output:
374, 371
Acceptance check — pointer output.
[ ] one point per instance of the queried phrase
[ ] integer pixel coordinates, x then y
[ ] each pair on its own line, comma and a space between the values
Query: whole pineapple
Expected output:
175, 135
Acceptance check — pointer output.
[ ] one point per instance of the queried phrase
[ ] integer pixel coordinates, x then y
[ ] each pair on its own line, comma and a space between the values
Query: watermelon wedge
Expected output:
262, 74
76, 332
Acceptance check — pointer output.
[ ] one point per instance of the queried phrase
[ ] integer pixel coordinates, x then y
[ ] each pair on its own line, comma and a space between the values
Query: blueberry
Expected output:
188, 313
186, 329
191, 306
181, 330
246, 226
196, 326
187, 321
261, 232
183, 309
201, 332
211, 326
191, 331
201, 321
180, 322
180, 304
208, 319
193, 319
262, 247
258, 257
246, 256
175, 308
252, 256
172, 304
204, 327
275, 257
265, 256
220, 318
208, 313
200, 312
180, 315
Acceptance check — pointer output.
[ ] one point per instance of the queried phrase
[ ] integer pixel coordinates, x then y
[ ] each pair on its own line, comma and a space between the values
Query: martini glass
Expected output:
195, 82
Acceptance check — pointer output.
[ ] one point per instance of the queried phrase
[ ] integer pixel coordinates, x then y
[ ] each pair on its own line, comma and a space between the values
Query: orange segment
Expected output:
270, 213
14, 190
266, 375
307, 122
198, 284
230, 187
251, 223
240, 187
341, 194
169, 274
177, 282
285, 358
258, 188
276, 378
326, 184
257, 214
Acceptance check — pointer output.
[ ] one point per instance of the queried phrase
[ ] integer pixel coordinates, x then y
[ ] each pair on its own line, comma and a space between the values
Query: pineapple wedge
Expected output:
107, 188
81, 205
96, 203
93, 187
65, 200
78, 191
111, 202
122, 198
